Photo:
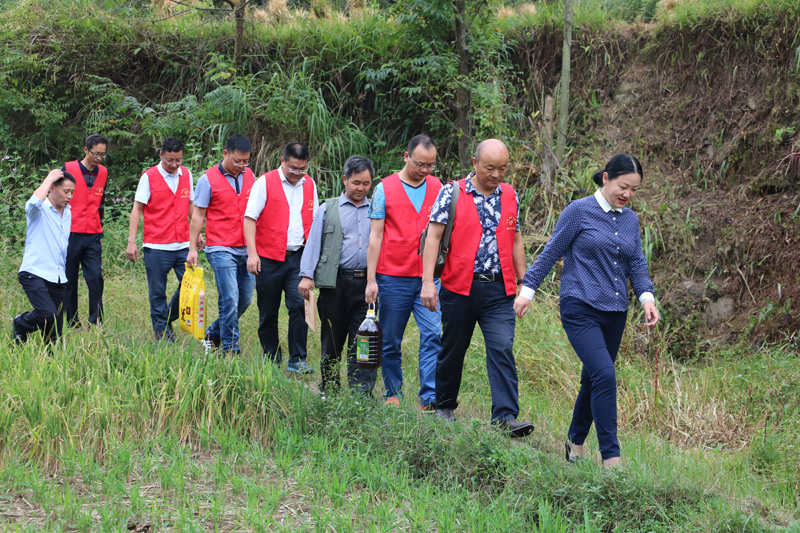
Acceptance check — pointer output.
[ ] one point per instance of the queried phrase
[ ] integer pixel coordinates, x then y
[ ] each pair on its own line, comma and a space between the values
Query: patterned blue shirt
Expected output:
355, 237
602, 248
488, 259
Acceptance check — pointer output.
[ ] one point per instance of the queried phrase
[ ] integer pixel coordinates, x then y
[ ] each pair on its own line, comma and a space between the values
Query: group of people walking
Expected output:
272, 234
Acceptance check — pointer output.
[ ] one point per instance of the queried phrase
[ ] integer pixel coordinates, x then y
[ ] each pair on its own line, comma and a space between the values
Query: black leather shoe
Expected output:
567, 449
517, 428
446, 415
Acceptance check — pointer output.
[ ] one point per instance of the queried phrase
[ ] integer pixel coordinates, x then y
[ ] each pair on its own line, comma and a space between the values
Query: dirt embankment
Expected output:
713, 111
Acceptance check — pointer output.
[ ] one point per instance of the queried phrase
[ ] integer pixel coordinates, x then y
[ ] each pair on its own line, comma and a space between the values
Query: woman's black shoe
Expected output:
567, 449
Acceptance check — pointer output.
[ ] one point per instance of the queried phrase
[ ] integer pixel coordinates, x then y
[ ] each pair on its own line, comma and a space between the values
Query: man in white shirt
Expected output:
288, 197
164, 196
43, 271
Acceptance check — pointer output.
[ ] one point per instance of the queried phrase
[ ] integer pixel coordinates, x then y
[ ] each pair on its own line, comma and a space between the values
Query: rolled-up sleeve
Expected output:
310, 260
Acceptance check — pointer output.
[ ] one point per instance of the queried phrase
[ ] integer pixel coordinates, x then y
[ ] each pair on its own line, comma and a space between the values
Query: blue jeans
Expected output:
399, 297
492, 309
595, 336
235, 287
157, 264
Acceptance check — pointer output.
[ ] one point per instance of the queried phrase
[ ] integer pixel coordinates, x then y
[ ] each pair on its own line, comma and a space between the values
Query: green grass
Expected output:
110, 429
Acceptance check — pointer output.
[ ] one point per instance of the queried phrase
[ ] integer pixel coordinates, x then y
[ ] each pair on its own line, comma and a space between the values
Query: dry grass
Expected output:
278, 10
356, 5
503, 12
526, 10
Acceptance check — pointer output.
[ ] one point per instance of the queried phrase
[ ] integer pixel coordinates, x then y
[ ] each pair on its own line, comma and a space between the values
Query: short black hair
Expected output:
298, 151
238, 143
93, 140
66, 176
356, 164
619, 165
171, 144
425, 140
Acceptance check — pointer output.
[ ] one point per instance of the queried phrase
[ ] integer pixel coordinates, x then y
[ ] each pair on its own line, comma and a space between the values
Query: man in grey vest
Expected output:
335, 260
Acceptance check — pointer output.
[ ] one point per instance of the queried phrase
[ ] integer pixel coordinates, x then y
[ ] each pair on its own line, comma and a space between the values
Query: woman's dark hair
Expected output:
619, 165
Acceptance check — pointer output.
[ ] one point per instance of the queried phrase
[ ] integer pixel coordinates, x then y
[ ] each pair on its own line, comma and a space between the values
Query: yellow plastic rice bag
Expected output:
193, 302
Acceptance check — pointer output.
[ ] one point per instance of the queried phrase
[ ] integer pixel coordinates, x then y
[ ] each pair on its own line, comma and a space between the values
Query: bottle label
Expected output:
362, 349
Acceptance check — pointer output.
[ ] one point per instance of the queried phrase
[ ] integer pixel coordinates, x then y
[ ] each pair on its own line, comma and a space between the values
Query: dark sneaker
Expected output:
16, 334
446, 415
300, 368
211, 343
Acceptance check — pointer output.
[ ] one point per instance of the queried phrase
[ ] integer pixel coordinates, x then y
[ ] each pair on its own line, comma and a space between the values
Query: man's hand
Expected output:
429, 295
305, 287
132, 252
650, 314
201, 242
253, 264
53, 175
191, 258
521, 306
371, 294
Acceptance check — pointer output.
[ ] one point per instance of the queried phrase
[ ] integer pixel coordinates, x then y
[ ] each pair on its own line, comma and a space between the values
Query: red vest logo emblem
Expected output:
311, 204
512, 222
99, 190
184, 193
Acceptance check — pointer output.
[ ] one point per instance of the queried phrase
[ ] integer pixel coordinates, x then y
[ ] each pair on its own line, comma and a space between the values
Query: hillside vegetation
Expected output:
111, 431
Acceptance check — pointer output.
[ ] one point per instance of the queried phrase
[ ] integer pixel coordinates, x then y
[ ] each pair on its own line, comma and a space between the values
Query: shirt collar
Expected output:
178, 174
48, 205
283, 178
604, 203
343, 199
228, 174
470, 188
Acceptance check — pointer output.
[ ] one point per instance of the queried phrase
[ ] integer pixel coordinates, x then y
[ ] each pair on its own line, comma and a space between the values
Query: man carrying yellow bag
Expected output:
193, 302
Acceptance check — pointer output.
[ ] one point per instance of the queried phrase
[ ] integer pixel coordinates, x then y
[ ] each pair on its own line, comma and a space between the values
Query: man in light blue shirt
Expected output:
43, 270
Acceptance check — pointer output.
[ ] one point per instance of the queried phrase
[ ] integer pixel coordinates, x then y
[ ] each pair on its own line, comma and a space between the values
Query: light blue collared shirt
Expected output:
355, 237
46, 240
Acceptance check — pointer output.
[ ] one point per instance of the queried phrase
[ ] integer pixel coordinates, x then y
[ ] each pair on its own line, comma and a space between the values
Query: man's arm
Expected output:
429, 295
132, 252
253, 260
310, 259
198, 219
376, 226
201, 242
44, 189
518, 256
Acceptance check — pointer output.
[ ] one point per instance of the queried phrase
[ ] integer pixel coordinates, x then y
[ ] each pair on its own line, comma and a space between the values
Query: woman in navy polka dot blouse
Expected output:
600, 241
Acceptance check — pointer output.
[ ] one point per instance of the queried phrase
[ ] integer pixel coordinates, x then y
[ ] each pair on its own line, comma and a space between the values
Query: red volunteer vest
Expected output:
225, 213
85, 202
166, 214
466, 239
272, 231
403, 226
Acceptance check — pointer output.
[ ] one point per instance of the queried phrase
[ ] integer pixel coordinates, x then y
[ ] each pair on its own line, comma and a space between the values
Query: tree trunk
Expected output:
563, 112
238, 13
463, 101
548, 165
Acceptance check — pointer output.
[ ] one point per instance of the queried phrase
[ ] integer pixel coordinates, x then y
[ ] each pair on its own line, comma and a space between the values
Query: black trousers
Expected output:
341, 311
490, 307
276, 278
47, 299
84, 250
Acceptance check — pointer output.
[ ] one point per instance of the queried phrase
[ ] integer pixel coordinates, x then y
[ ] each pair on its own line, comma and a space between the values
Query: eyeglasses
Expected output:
420, 166
97, 155
241, 162
173, 161
293, 170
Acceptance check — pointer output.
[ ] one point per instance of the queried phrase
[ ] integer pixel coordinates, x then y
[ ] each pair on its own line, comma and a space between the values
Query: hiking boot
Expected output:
446, 415
300, 368
515, 427
16, 334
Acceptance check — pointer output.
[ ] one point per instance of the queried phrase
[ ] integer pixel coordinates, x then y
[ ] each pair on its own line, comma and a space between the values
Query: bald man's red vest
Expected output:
272, 227
466, 239
225, 213
403, 226
166, 214
85, 203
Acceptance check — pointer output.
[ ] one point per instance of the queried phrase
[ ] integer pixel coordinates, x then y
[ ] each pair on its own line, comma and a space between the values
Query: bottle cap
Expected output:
371, 311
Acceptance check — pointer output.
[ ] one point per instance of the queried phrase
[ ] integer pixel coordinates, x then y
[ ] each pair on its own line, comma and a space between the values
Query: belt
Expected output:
487, 277
292, 252
354, 273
